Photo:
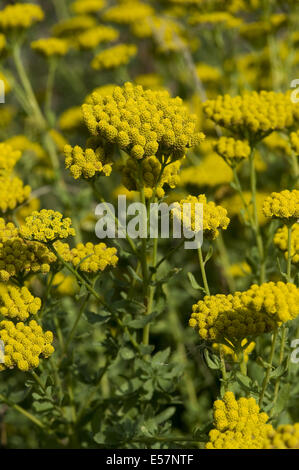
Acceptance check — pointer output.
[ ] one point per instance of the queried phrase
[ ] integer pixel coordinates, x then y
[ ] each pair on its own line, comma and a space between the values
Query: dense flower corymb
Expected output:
214, 217
283, 205
236, 316
254, 113
49, 47
281, 240
114, 57
18, 303
86, 163
12, 193
20, 16
142, 123
232, 150
8, 158
46, 226
89, 257
23, 344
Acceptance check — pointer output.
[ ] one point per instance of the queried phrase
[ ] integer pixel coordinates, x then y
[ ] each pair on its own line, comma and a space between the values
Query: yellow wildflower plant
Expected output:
70, 27
281, 241
24, 344
236, 316
12, 193
86, 163
142, 122
17, 303
283, 205
50, 47
20, 16
286, 436
214, 217
105, 90
88, 258
23, 144
46, 226
113, 57
91, 38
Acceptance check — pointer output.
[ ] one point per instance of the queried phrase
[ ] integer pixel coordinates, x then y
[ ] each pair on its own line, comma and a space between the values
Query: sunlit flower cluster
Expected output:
18, 303
283, 205
8, 158
281, 240
93, 37
46, 226
142, 123
23, 344
50, 47
258, 310
129, 12
233, 151
13, 192
89, 257
86, 163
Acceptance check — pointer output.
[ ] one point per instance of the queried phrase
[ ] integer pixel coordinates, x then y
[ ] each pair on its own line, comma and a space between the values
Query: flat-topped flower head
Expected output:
88, 258
129, 12
13, 192
281, 241
46, 226
50, 47
258, 310
24, 344
252, 113
214, 217
20, 16
114, 57
17, 302
238, 424
86, 163
142, 122
91, 38
283, 205
70, 27
231, 150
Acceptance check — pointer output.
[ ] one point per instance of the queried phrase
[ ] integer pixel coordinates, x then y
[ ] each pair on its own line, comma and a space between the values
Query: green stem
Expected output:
203, 271
49, 91
73, 330
267, 376
21, 410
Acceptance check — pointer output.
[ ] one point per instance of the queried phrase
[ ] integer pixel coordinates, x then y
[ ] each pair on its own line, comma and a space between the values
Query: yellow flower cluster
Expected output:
212, 171
20, 16
281, 240
23, 344
20, 256
71, 119
7, 230
207, 73
252, 112
239, 424
286, 436
89, 257
17, 302
214, 217
23, 144
114, 57
104, 90
8, 158
233, 151
81, 7
12, 193
49, 47
142, 122
70, 27
294, 139
258, 310
46, 226
283, 205
65, 284
128, 13
247, 348
93, 37
86, 163
151, 174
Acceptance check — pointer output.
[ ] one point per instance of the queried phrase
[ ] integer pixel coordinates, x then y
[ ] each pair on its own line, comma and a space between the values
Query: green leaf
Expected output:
142, 321
126, 353
212, 361
97, 318
194, 282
